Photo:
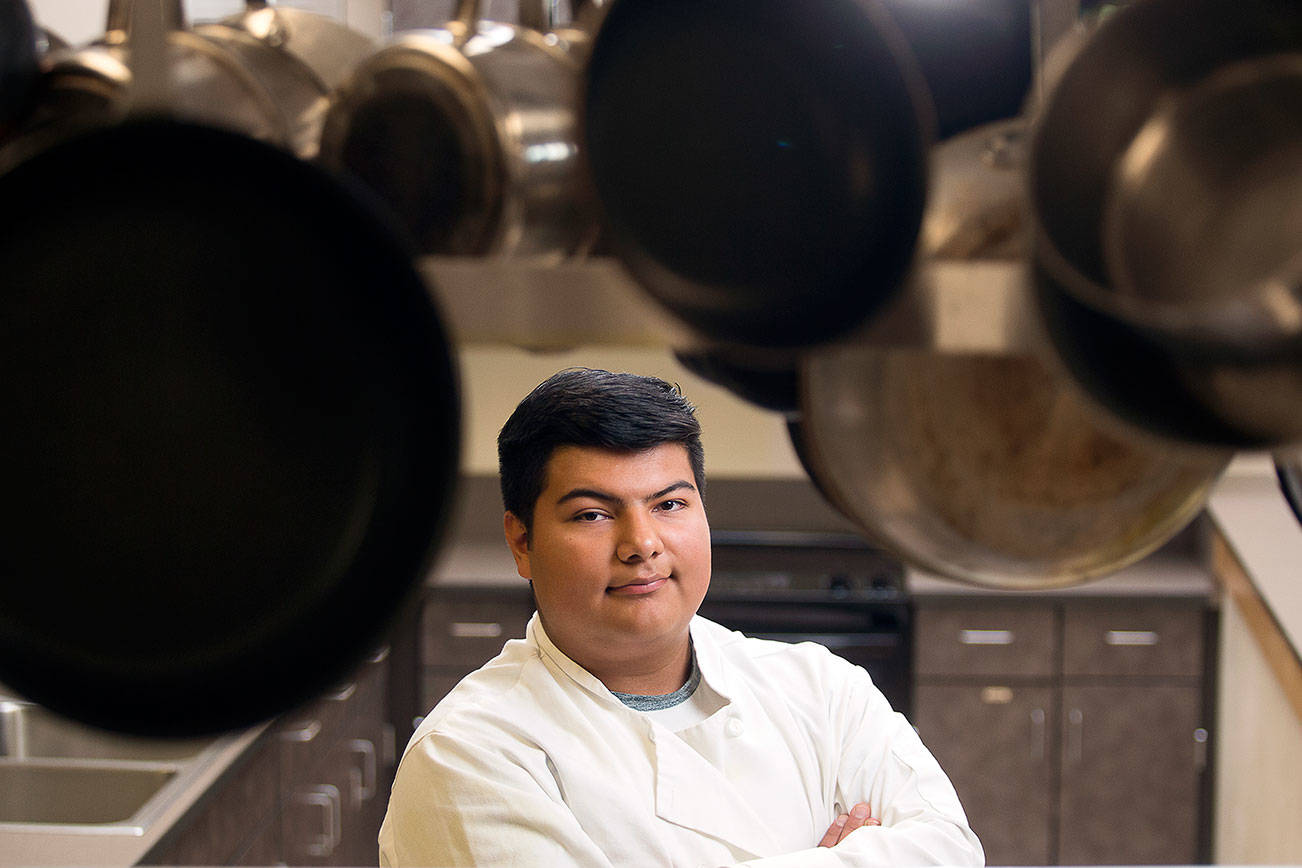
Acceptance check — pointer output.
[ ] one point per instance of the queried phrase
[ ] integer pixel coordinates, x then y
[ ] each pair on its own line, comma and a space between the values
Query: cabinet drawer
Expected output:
469, 632
1133, 639
996, 640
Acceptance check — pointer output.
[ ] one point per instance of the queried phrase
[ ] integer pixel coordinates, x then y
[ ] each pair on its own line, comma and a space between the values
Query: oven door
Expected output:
874, 635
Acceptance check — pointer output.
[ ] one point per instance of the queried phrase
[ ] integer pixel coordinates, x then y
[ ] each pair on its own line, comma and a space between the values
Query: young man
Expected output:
624, 729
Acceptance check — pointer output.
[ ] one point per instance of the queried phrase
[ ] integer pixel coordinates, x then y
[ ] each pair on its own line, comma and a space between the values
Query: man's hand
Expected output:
860, 815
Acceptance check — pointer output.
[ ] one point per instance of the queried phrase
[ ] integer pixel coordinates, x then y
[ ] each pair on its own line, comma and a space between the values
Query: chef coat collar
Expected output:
707, 658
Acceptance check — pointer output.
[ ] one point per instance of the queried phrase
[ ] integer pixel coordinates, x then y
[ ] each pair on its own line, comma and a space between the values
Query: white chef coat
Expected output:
531, 761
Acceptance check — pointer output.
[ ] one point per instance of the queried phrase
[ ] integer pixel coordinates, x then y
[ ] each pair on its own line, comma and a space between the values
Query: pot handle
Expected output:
146, 23
544, 15
540, 15
126, 16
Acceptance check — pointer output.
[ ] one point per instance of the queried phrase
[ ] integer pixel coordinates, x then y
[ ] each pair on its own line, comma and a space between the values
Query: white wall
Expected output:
1258, 771
741, 441
80, 21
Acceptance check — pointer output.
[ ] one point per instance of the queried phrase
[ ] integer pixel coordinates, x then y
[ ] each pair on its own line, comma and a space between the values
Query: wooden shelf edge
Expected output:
1280, 655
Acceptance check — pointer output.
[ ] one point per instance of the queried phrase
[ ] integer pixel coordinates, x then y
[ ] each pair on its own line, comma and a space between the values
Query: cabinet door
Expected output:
994, 742
1132, 761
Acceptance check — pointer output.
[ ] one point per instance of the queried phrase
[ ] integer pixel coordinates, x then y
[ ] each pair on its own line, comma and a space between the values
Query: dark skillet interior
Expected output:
231, 428
761, 165
975, 56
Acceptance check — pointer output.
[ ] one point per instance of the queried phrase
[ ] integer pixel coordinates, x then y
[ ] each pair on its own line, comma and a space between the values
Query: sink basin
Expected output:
32, 792
30, 731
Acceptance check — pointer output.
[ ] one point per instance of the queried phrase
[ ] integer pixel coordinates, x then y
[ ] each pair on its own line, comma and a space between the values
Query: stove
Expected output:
833, 589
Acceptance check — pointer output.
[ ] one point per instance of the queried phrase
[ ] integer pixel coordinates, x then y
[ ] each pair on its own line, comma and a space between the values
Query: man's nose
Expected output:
638, 540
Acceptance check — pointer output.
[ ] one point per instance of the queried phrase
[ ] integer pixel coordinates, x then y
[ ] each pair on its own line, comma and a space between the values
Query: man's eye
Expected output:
589, 516
671, 505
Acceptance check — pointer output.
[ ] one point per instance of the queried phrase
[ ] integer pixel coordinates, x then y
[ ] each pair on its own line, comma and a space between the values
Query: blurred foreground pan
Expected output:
231, 428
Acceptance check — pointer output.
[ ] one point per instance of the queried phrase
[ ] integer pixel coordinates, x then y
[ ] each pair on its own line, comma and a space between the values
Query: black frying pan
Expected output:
231, 428
975, 56
769, 380
761, 163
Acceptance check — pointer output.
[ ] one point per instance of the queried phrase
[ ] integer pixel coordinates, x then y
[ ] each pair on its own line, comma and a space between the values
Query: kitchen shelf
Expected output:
949, 306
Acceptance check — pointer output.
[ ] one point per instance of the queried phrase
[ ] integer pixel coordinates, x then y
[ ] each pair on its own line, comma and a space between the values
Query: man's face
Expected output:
619, 553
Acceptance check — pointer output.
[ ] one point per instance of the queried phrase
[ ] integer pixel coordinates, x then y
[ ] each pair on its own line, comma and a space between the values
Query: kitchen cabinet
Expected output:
1075, 731
337, 756
463, 627
311, 791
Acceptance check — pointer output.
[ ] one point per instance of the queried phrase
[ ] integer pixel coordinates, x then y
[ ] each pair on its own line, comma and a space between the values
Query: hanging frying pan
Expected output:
18, 61
989, 469
761, 163
974, 55
231, 428
768, 380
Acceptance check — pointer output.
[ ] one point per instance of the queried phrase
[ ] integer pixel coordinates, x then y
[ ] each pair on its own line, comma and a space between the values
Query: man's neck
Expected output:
647, 672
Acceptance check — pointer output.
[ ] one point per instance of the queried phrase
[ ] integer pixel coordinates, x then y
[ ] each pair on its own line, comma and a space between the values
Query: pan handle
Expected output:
126, 16
146, 23
544, 15
541, 15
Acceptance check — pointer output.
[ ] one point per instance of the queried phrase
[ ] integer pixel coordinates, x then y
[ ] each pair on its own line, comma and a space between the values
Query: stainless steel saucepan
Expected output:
469, 133
1166, 177
204, 82
297, 56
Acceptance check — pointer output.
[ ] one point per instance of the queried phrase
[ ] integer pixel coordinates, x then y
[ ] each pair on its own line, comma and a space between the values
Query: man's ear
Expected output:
517, 537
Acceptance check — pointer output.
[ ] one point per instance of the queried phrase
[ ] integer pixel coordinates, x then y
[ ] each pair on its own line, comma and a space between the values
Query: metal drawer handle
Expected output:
996, 695
1130, 637
304, 732
1076, 735
1039, 735
1200, 748
325, 797
475, 629
364, 778
345, 693
986, 637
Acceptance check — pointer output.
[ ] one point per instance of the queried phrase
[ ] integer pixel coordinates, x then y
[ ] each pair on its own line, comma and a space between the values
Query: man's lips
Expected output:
639, 586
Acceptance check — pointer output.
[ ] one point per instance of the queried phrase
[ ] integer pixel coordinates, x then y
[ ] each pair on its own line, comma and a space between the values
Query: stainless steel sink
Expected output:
74, 795
30, 731
34, 792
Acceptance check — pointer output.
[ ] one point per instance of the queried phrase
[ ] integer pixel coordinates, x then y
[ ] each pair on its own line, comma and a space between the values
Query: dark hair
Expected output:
588, 407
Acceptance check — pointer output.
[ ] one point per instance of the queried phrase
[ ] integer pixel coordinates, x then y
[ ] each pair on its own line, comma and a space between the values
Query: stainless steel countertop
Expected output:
123, 844
489, 564
1155, 576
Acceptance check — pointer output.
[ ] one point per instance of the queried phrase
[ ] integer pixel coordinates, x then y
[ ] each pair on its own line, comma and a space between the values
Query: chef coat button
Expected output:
651, 734
734, 727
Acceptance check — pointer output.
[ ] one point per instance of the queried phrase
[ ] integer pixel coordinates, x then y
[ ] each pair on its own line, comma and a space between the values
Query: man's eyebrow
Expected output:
576, 493
606, 497
677, 486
